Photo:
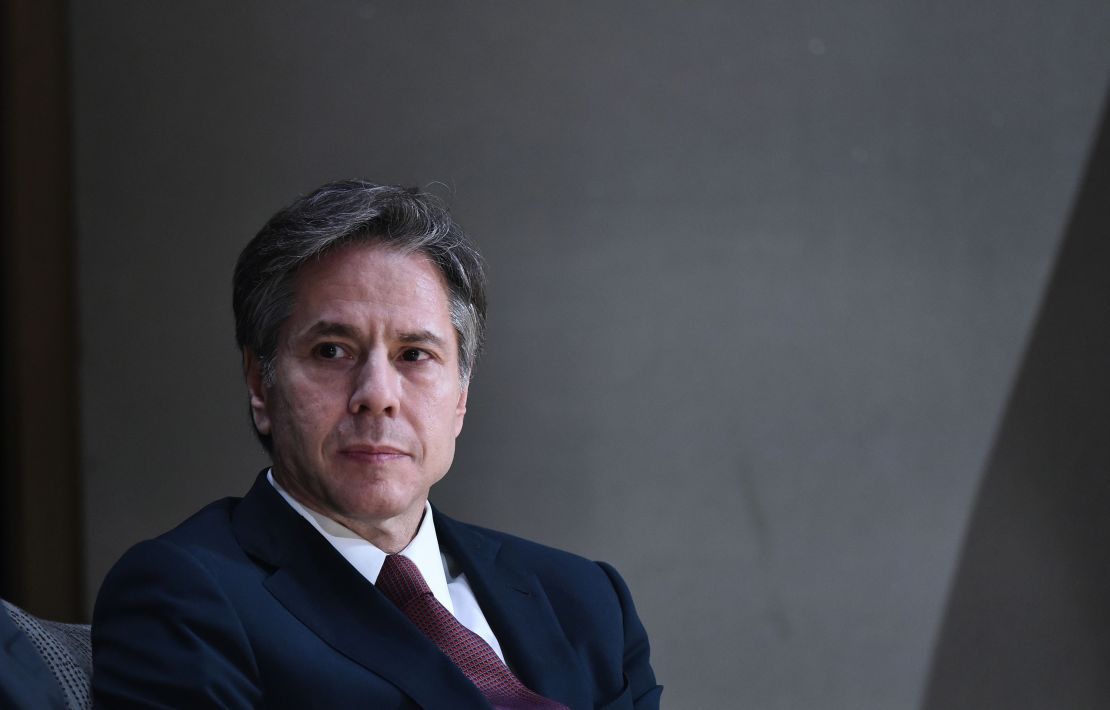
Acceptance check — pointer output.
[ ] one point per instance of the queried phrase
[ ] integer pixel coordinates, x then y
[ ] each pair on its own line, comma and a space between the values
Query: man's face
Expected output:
367, 399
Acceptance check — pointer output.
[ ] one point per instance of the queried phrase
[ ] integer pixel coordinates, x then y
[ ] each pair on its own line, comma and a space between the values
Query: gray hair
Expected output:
339, 213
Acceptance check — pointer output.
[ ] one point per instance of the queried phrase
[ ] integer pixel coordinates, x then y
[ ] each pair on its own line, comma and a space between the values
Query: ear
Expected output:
256, 390
460, 408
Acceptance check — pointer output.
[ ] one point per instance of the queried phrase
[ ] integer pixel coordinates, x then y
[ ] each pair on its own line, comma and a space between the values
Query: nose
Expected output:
376, 387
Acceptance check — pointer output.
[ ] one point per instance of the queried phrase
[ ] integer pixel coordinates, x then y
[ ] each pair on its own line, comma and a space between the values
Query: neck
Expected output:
390, 535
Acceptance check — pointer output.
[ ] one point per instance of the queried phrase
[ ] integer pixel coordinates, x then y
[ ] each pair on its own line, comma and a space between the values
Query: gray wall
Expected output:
763, 274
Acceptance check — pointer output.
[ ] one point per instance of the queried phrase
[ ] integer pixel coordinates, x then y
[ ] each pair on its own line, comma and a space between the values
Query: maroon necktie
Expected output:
403, 584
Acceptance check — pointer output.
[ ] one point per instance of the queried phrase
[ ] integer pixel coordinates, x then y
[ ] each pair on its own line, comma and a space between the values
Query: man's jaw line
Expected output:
390, 535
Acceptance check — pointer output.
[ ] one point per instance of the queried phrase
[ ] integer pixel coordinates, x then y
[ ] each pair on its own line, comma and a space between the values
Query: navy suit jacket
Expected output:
246, 605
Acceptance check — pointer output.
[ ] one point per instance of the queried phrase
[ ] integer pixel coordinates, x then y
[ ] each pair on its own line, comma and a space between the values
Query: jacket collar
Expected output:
519, 611
316, 585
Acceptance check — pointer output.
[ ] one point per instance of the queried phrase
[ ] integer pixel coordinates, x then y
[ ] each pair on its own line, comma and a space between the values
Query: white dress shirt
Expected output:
451, 590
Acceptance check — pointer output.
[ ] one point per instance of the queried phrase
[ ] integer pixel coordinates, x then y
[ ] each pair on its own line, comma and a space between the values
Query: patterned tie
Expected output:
403, 584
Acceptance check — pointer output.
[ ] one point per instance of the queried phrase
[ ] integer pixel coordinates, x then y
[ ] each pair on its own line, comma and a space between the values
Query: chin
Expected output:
383, 501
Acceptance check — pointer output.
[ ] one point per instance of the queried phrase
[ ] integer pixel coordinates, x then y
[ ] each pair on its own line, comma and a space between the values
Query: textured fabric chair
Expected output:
66, 651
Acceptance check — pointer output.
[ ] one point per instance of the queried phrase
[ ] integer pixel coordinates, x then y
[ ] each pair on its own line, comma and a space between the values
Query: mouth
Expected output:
373, 453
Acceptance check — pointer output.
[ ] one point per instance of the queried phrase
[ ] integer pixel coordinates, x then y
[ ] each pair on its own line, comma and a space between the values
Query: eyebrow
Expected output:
342, 330
325, 327
422, 336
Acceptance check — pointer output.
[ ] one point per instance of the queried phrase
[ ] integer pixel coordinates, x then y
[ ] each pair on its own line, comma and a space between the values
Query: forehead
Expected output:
369, 279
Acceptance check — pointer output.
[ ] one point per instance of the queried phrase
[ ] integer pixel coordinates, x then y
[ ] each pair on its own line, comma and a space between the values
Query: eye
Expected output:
330, 351
414, 355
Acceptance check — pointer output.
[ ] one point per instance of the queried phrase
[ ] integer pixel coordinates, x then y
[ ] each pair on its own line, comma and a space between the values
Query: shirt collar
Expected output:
368, 559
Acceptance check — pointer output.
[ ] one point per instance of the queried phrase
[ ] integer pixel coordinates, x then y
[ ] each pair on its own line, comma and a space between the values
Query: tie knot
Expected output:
400, 580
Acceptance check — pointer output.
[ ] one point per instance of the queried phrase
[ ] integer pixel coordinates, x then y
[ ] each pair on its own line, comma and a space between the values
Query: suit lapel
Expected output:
317, 586
518, 610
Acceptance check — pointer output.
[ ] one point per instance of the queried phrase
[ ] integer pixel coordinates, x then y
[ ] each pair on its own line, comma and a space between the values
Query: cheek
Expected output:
442, 406
304, 414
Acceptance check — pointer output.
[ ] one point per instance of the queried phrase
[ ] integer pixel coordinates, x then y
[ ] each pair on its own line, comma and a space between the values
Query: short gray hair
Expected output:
339, 213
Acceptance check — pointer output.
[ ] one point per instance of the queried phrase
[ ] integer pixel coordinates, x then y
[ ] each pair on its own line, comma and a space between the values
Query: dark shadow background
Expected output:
1028, 623
764, 276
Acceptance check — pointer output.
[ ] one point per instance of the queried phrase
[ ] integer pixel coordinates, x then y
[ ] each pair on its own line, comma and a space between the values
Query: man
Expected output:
360, 312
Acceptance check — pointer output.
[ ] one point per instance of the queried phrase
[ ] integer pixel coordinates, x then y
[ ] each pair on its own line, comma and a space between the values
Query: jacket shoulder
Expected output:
561, 572
512, 545
210, 527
